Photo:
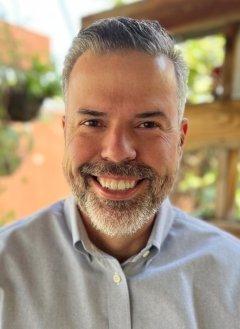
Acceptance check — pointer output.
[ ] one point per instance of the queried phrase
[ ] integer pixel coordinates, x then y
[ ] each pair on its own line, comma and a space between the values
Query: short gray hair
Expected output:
118, 33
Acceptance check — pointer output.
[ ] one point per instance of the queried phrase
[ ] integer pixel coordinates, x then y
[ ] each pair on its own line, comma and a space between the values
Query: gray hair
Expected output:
118, 33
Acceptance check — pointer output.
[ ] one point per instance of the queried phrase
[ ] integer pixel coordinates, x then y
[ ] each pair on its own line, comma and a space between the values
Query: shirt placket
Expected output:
118, 296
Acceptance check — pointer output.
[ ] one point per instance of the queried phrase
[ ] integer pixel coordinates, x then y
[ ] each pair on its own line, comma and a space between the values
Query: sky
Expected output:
57, 19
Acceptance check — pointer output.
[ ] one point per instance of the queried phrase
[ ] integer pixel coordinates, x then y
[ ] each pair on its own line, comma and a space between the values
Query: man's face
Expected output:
122, 138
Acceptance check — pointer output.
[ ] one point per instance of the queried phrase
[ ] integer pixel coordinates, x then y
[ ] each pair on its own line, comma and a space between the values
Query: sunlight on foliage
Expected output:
202, 56
197, 181
191, 181
199, 170
7, 217
9, 144
119, 3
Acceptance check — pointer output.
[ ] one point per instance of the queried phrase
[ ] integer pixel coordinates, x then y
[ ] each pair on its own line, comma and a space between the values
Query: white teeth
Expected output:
116, 184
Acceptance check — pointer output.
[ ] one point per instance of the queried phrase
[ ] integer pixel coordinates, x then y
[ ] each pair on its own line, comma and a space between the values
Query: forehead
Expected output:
122, 77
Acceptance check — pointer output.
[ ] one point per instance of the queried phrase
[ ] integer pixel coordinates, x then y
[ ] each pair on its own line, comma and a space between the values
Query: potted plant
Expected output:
23, 91
25, 81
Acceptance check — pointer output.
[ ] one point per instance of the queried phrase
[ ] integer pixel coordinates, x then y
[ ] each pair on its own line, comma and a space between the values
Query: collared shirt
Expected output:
53, 277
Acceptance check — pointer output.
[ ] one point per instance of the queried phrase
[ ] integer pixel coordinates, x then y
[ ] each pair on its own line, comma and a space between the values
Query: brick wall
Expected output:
18, 45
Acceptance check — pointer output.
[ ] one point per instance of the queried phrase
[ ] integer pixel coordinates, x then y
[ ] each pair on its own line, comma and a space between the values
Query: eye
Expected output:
149, 125
92, 123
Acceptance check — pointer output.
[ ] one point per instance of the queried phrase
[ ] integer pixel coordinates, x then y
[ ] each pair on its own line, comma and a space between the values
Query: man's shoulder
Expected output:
197, 233
29, 227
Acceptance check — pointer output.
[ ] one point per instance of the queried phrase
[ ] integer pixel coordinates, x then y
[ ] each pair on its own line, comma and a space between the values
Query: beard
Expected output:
118, 218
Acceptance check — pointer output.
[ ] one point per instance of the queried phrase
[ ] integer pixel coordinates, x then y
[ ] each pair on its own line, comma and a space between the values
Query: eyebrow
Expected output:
151, 114
143, 115
92, 113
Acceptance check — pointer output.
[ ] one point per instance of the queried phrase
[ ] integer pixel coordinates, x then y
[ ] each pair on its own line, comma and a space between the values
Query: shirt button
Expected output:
146, 253
116, 278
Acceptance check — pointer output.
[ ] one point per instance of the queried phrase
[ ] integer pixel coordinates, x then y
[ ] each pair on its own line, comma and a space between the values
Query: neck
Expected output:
121, 248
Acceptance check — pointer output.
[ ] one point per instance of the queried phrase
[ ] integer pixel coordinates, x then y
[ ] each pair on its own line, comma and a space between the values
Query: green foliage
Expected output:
9, 144
197, 180
7, 217
192, 182
13, 145
199, 169
41, 80
21, 94
119, 3
238, 195
24, 79
202, 56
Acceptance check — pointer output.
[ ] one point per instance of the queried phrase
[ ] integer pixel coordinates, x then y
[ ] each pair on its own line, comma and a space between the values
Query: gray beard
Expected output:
122, 217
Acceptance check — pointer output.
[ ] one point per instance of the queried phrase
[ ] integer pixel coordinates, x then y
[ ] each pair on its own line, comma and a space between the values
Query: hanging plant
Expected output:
23, 92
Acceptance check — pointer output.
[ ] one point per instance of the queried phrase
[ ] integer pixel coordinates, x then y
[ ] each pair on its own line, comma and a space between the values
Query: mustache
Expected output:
134, 169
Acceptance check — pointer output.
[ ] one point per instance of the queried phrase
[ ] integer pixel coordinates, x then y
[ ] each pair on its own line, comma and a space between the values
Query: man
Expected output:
117, 254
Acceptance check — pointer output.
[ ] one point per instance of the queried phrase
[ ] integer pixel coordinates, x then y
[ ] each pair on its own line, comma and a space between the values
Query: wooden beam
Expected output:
213, 124
232, 59
226, 184
183, 19
236, 75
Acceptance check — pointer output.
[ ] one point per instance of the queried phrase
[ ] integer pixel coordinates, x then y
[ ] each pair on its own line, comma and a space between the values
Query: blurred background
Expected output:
34, 38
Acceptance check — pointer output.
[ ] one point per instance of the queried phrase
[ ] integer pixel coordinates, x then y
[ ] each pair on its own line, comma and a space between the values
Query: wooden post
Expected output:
236, 74
227, 182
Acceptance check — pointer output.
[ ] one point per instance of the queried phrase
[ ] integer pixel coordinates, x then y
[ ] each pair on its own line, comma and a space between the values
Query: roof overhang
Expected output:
183, 19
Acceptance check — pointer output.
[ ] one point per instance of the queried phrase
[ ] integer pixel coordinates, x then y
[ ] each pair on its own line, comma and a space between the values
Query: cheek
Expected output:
161, 154
82, 150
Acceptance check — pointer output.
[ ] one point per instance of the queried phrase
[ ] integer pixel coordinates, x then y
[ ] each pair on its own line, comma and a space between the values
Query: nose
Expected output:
118, 146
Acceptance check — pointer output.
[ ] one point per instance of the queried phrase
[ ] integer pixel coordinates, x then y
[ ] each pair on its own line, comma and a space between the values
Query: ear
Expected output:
183, 133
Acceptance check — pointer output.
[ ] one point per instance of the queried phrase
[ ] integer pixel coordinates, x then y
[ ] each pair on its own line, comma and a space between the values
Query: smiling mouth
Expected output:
113, 189
116, 184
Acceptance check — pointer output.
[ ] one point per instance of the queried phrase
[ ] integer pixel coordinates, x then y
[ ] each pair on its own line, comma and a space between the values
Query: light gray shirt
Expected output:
53, 277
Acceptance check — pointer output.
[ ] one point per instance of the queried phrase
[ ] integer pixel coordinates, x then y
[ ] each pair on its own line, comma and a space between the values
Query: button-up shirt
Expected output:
53, 277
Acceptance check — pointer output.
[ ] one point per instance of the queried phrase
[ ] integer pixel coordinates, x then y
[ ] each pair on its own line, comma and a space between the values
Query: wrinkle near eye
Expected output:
167, 139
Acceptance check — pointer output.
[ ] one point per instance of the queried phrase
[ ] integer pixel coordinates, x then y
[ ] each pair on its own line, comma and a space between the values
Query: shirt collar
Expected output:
163, 222
80, 238
162, 225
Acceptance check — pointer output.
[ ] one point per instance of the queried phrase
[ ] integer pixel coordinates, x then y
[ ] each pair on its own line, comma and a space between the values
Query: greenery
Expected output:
14, 144
238, 195
26, 74
23, 89
9, 144
32, 85
202, 56
7, 217
39, 81
119, 3
197, 181
199, 169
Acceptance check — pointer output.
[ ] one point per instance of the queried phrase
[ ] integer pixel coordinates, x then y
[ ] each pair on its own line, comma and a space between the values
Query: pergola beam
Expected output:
184, 19
213, 124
